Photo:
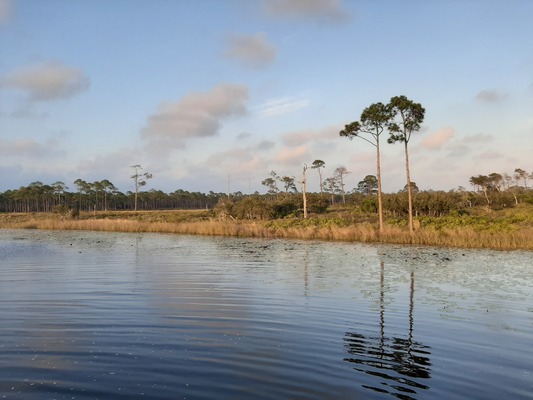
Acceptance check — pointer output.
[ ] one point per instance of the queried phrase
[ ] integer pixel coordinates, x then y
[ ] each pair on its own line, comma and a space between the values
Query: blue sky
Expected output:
196, 91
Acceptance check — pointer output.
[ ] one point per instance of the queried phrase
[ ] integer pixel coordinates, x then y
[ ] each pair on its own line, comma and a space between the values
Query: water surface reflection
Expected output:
400, 364
111, 316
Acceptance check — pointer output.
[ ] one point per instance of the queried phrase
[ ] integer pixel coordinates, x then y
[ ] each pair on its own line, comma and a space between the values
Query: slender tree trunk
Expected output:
409, 191
136, 191
320, 175
342, 190
304, 191
380, 197
486, 196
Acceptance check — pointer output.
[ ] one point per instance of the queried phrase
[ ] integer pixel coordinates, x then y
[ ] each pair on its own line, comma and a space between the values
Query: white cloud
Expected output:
438, 139
236, 161
29, 148
242, 160
115, 166
319, 10
253, 51
282, 105
48, 81
119, 160
195, 115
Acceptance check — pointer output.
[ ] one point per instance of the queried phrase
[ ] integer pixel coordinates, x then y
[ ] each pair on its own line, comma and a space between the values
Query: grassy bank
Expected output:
505, 230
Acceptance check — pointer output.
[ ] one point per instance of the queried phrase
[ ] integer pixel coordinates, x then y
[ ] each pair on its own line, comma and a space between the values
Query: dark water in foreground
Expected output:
121, 316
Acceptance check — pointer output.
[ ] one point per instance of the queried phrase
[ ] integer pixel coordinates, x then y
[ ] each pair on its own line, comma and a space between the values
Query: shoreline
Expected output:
198, 223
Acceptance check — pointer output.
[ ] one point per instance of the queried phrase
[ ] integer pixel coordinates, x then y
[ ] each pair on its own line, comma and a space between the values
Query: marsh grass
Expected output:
507, 232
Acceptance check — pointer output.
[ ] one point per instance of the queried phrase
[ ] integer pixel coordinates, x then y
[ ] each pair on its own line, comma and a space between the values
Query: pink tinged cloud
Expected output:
48, 81
294, 156
296, 138
254, 51
438, 139
196, 115
235, 161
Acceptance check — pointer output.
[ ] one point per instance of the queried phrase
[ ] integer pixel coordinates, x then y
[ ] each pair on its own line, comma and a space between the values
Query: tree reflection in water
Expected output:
399, 364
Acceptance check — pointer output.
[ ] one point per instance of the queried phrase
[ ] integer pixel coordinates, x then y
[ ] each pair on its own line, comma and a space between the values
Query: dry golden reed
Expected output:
465, 237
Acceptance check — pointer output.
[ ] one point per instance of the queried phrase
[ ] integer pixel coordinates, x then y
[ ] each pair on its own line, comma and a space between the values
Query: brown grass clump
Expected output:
203, 223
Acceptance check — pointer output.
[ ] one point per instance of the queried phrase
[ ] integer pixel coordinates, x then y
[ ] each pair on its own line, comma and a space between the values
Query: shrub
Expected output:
224, 208
287, 205
369, 205
66, 212
253, 207
61, 209
316, 203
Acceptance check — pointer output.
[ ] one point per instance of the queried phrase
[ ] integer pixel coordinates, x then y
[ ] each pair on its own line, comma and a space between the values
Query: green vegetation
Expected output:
497, 214
259, 216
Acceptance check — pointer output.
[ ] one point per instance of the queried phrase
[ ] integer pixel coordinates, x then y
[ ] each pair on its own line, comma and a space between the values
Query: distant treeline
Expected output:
101, 196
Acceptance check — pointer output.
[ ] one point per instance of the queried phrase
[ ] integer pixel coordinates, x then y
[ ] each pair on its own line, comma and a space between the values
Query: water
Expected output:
87, 315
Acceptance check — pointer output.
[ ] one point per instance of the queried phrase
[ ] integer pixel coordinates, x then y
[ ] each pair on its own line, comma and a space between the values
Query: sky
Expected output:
207, 94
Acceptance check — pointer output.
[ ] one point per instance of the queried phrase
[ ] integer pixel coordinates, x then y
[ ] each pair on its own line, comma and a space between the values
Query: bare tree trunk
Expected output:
486, 196
136, 191
304, 191
342, 190
409, 191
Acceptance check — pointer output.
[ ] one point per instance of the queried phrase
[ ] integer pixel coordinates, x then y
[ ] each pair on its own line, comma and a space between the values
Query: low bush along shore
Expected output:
505, 230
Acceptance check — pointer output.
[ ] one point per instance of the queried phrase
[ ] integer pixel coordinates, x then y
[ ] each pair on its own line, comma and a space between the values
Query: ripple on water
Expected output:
106, 316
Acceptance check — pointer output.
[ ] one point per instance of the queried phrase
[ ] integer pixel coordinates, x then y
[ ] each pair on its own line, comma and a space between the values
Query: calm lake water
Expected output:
87, 315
